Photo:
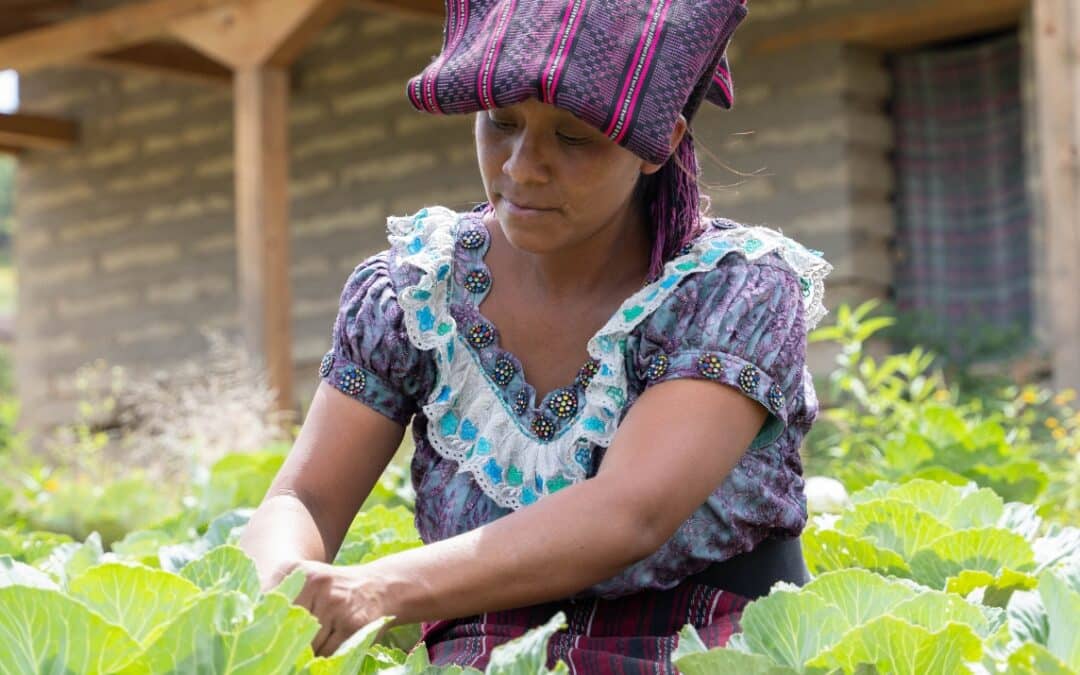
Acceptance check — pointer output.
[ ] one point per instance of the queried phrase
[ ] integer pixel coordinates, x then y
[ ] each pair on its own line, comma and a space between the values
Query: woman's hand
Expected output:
343, 598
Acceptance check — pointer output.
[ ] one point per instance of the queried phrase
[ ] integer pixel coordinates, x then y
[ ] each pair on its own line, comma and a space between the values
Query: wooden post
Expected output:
1057, 66
261, 112
258, 39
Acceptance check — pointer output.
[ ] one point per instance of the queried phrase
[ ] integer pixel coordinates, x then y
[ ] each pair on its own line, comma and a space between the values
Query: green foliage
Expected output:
853, 621
856, 621
895, 417
78, 609
954, 539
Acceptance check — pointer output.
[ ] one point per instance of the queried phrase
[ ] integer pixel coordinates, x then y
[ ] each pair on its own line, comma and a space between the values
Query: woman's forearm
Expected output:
281, 531
555, 548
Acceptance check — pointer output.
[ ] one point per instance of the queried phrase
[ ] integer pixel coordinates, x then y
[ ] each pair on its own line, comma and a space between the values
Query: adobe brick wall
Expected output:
126, 247
811, 133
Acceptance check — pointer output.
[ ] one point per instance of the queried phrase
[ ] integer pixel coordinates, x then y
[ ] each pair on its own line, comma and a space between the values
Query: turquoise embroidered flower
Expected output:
493, 471
468, 431
448, 425
426, 318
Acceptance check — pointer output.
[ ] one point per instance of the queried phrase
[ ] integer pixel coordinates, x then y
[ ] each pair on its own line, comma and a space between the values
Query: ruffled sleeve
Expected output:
741, 324
371, 358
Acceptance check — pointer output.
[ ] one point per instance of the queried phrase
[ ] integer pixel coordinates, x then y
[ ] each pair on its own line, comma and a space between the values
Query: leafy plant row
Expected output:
920, 577
196, 607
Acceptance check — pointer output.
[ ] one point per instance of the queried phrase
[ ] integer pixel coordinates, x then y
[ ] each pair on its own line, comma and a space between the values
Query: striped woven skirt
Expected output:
625, 636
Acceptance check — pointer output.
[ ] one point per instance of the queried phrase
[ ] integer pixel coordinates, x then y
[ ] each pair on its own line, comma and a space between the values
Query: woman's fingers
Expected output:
326, 627
333, 641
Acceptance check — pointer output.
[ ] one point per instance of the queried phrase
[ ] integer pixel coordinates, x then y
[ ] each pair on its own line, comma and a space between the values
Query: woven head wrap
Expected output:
627, 67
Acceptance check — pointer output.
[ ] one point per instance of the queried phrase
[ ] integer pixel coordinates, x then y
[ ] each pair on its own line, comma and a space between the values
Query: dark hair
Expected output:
673, 203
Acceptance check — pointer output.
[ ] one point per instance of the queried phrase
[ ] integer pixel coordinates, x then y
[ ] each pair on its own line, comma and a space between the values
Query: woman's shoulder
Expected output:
422, 236
739, 257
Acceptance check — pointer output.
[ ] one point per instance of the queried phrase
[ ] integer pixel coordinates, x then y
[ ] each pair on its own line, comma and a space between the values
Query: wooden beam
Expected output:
425, 9
1056, 28
899, 27
36, 132
36, 7
124, 26
250, 33
167, 59
9, 150
18, 23
262, 220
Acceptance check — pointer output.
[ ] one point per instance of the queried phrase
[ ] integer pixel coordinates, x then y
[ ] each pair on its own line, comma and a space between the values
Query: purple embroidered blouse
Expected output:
735, 323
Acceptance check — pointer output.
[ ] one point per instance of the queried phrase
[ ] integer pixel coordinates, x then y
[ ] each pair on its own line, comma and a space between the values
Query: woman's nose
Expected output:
527, 162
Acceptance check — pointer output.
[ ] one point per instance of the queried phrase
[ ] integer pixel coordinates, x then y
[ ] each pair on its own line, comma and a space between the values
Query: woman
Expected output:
606, 389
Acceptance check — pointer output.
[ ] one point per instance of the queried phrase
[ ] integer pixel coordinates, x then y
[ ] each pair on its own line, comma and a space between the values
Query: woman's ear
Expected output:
648, 168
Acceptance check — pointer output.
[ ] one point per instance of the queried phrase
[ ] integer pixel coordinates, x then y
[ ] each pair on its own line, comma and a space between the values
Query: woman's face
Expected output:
553, 179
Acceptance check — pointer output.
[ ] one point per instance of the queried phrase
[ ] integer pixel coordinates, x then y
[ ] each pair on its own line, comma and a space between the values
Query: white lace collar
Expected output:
469, 419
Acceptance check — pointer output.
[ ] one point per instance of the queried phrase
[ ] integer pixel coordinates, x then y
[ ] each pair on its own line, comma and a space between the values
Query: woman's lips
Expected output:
518, 209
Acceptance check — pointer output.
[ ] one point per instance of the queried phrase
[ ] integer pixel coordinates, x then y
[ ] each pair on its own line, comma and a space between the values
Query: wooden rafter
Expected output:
902, 25
168, 59
419, 8
36, 132
13, 24
50, 8
257, 32
123, 26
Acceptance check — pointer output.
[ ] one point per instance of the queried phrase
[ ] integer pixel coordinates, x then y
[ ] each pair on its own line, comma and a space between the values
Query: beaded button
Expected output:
563, 404
326, 364
473, 239
543, 428
521, 402
710, 366
776, 397
481, 335
504, 371
749, 378
657, 367
477, 281
587, 373
351, 380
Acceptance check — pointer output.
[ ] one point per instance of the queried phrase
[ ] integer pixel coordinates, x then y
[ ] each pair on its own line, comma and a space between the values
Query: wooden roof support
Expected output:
258, 39
900, 26
257, 33
1057, 80
168, 59
10, 150
430, 9
36, 132
124, 26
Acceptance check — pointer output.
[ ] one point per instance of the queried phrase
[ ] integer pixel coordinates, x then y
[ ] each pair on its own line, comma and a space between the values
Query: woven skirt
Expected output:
625, 636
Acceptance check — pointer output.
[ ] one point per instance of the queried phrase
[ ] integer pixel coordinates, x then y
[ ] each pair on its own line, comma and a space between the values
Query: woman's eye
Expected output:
501, 125
573, 140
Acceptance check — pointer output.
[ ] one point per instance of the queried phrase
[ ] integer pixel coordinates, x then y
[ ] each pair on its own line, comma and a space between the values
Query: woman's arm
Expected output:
676, 446
334, 463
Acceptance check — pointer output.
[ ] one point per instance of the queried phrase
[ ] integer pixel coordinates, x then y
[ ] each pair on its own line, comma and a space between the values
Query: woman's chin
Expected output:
531, 233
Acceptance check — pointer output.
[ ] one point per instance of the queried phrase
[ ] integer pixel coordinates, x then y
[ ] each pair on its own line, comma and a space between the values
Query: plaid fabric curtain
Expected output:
963, 280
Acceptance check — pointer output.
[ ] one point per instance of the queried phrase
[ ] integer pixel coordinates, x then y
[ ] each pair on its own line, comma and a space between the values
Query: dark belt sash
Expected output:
753, 573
